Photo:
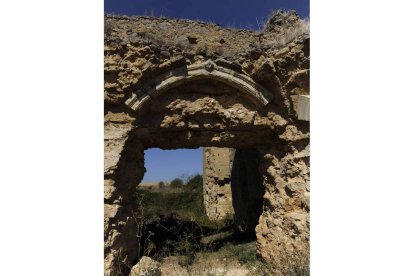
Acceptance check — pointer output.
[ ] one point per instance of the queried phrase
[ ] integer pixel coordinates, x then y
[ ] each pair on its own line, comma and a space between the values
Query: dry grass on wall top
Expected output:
280, 40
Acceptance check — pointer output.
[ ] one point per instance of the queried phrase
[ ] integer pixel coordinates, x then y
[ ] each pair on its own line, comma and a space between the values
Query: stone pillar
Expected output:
124, 167
283, 229
216, 182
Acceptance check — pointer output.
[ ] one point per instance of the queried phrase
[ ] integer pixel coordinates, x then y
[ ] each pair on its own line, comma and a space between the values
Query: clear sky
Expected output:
233, 13
166, 165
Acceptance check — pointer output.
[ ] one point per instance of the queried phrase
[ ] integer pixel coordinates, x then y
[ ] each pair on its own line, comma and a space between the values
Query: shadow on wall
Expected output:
247, 190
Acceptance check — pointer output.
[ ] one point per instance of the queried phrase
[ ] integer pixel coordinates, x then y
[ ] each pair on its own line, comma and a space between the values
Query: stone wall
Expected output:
183, 84
233, 186
217, 164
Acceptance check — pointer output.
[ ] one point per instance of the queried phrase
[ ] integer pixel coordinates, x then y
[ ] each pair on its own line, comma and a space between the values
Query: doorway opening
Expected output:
176, 197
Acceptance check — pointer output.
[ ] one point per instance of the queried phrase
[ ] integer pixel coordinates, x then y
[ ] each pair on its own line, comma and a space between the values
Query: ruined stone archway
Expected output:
188, 101
205, 70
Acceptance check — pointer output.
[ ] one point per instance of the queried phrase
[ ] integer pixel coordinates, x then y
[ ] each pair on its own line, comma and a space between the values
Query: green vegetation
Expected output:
177, 183
195, 182
183, 200
172, 222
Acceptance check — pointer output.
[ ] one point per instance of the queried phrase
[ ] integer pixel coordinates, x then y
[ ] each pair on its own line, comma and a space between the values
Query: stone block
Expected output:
304, 108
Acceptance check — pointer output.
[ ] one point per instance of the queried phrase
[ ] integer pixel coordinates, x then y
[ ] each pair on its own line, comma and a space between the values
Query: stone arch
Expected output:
259, 120
278, 144
250, 89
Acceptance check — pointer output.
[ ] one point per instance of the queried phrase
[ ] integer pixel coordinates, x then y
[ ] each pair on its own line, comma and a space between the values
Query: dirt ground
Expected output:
170, 267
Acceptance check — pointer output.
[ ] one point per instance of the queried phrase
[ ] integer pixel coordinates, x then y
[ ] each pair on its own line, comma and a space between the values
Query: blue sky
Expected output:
166, 165
234, 13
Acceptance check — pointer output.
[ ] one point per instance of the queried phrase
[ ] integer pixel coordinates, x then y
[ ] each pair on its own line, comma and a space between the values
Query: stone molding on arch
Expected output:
206, 70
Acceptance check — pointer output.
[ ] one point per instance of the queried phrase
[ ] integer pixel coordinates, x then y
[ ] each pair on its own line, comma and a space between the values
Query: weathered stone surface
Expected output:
280, 21
216, 182
150, 65
146, 267
206, 70
303, 108
284, 225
